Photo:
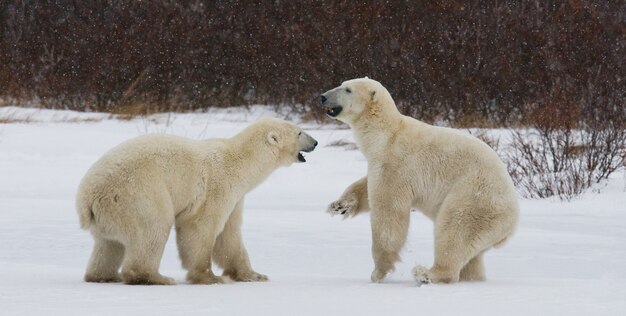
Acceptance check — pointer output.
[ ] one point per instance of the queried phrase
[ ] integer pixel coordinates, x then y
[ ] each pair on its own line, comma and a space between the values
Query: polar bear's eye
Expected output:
348, 90
300, 133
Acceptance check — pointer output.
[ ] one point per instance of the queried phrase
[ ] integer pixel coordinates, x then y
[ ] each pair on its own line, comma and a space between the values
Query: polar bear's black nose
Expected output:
323, 99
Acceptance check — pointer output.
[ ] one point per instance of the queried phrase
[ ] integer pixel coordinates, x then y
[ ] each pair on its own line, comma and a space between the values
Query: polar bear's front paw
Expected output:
207, 278
422, 275
345, 206
378, 276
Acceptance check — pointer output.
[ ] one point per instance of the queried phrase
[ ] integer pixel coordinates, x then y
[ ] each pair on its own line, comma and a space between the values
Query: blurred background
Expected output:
466, 63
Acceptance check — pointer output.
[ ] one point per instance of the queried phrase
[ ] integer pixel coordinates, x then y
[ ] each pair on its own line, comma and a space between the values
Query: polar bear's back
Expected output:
149, 154
469, 147
444, 160
150, 165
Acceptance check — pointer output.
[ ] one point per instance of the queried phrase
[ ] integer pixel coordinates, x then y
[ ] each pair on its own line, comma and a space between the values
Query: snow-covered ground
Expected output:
566, 258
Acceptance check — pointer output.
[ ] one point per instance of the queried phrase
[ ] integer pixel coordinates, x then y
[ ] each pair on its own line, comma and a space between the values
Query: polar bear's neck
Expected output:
248, 164
375, 130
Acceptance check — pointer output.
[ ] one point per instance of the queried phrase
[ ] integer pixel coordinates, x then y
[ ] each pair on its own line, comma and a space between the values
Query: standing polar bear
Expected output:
454, 179
135, 193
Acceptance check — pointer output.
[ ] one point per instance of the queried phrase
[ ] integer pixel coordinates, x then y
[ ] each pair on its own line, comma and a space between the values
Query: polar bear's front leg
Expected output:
353, 201
196, 240
390, 227
231, 254
200, 270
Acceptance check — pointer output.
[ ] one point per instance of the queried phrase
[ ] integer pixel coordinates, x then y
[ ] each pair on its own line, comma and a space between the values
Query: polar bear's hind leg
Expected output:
143, 256
474, 270
106, 259
460, 244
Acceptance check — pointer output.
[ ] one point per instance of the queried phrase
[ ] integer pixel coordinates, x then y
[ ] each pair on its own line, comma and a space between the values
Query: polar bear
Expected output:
133, 195
454, 179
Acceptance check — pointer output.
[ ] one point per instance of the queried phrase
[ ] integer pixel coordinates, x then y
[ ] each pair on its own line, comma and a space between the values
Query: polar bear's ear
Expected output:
372, 95
272, 138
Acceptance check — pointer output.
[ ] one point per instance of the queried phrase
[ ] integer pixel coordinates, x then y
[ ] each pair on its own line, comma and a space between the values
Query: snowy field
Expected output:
566, 258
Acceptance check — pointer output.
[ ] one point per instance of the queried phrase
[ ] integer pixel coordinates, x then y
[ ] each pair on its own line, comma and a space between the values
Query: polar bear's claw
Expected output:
378, 276
421, 275
249, 277
343, 206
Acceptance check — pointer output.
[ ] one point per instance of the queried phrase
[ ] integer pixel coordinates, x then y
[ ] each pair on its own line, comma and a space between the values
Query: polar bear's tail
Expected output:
85, 214
501, 243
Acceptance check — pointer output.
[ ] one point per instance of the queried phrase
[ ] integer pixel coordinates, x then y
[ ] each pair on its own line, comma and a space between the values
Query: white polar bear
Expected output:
453, 178
135, 193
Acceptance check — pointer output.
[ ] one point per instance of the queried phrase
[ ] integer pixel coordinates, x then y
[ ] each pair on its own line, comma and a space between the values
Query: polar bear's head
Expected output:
285, 139
353, 98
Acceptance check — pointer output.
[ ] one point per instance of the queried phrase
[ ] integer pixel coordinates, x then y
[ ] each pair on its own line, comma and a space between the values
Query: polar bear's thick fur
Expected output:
453, 178
135, 193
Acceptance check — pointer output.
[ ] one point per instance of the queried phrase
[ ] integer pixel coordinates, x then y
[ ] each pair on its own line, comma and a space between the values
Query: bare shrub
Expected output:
604, 150
484, 136
347, 145
573, 142
539, 165
564, 162
13, 117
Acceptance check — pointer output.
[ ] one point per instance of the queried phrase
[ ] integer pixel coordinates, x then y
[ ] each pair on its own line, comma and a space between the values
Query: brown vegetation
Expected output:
465, 61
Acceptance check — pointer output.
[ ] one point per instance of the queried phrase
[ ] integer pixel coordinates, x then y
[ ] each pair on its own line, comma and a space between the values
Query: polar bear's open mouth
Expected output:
306, 150
333, 111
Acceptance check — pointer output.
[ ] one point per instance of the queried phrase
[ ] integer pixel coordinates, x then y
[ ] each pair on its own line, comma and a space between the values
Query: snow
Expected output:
566, 258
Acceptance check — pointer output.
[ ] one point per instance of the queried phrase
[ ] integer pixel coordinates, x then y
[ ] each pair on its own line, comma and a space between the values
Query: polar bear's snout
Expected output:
307, 144
331, 108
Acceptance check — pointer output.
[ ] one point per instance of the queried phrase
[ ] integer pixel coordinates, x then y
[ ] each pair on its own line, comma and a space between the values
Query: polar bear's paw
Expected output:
206, 278
422, 275
378, 276
345, 206
113, 278
247, 276
141, 278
